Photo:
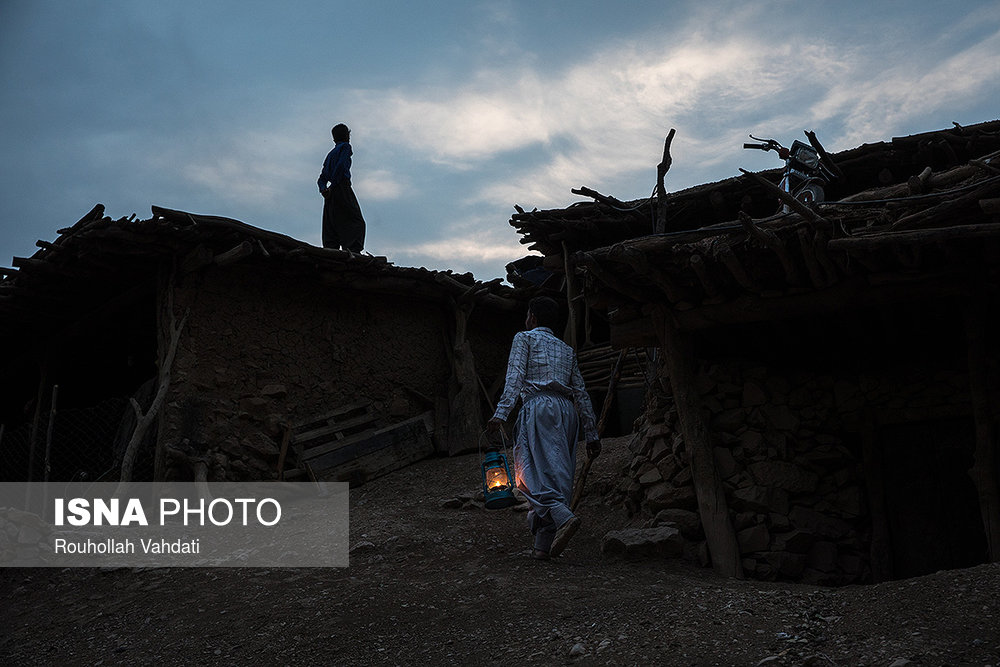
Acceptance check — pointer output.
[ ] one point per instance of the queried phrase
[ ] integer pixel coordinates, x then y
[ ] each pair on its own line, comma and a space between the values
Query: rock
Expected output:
729, 420
667, 466
784, 475
649, 477
752, 442
814, 522
850, 501
688, 522
784, 563
659, 450
452, 503
781, 417
724, 462
755, 538
663, 496
761, 499
363, 545
274, 391
697, 552
753, 395
636, 543
795, 541
823, 557
577, 651
255, 406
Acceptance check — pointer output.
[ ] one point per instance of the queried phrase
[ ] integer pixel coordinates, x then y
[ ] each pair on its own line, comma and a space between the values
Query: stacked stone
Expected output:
794, 490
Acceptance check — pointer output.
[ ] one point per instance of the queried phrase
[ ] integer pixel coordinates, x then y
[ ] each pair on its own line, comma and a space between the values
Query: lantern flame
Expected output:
496, 478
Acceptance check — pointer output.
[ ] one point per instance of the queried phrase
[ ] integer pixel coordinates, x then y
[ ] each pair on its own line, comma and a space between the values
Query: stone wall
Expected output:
260, 350
787, 446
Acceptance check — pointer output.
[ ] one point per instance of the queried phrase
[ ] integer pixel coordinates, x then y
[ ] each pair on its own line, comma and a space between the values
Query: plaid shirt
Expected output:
540, 362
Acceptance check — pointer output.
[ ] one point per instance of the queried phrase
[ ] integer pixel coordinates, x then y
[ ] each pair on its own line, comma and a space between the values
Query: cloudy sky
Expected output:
458, 110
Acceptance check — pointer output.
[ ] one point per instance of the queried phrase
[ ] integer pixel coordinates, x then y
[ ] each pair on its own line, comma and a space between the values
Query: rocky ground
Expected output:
434, 584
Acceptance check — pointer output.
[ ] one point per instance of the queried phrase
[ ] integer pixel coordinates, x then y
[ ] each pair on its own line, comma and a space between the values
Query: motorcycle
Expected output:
806, 175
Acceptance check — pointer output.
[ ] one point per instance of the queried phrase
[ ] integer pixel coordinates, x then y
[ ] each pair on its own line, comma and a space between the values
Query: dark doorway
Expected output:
931, 503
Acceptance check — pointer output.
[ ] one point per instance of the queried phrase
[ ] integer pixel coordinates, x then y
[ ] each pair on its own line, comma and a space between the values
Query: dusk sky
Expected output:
458, 110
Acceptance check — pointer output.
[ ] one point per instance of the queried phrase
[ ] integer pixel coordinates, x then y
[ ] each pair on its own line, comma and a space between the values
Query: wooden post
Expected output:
983, 471
570, 335
39, 397
678, 351
465, 415
661, 192
881, 546
48, 433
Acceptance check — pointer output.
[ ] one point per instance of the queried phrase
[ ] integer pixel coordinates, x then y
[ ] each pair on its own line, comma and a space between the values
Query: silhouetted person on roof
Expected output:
343, 224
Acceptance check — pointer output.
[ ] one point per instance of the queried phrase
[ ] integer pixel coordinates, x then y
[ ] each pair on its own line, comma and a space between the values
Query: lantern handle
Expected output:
503, 441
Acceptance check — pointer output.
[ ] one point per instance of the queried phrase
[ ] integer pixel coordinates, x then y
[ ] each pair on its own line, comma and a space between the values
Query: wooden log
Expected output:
661, 191
732, 262
571, 320
713, 509
378, 453
241, 251
984, 469
587, 261
597, 196
697, 264
990, 206
883, 239
792, 203
936, 213
48, 433
581, 481
775, 244
145, 419
822, 256
823, 155
809, 257
985, 166
283, 452
917, 184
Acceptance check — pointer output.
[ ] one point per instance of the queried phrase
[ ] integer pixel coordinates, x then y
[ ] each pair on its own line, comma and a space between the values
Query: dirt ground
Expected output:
430, 584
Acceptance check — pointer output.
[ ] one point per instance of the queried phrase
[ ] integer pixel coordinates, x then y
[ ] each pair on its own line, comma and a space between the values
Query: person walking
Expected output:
543, 371
343, 224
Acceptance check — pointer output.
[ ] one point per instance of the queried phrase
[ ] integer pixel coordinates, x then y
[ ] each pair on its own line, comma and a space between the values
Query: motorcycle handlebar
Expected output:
763, 147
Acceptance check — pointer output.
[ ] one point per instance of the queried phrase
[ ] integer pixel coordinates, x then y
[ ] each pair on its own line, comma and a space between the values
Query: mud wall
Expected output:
260, 351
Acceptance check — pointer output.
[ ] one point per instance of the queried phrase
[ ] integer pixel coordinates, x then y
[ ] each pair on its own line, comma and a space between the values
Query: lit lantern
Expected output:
498, 484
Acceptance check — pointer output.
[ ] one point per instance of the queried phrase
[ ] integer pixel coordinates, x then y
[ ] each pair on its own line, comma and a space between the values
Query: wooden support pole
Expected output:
571, 323
678, 351
48, 433
661, 192
984, 470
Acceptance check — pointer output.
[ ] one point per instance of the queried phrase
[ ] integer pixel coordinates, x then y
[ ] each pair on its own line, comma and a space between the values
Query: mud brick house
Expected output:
828, 379
247, 332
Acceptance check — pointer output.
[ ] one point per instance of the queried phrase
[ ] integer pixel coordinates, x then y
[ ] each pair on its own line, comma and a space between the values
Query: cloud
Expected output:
380, 185
471, 242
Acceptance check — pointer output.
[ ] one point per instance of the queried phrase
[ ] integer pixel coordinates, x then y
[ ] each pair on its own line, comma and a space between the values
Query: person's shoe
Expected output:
538, 554
563, 535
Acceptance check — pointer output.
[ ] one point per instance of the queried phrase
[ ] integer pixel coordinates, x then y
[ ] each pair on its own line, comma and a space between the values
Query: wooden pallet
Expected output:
348, 445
